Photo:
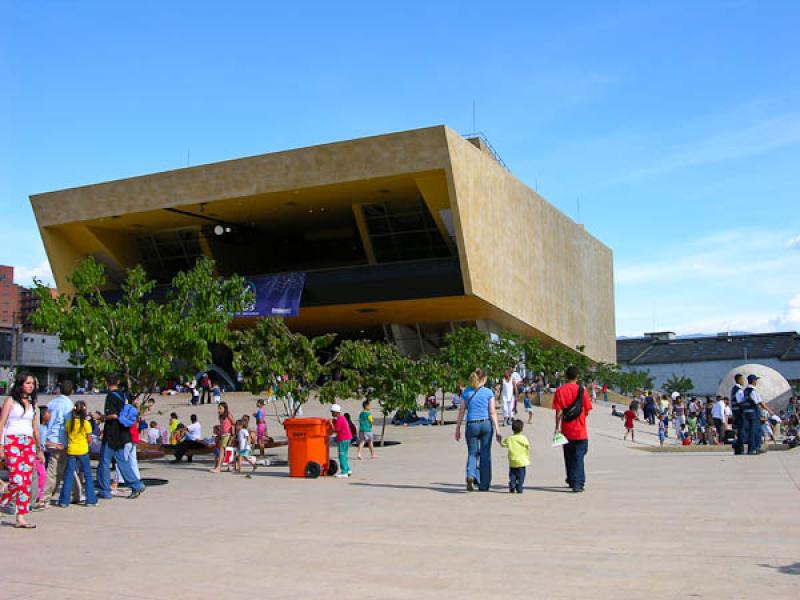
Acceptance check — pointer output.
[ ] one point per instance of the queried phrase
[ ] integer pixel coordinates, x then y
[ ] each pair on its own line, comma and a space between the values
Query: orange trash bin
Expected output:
309, 447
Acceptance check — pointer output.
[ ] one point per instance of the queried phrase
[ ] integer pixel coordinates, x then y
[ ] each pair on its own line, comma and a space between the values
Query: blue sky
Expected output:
676, 125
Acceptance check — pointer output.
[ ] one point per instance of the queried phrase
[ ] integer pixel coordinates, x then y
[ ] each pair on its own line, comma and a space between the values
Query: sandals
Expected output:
25, 526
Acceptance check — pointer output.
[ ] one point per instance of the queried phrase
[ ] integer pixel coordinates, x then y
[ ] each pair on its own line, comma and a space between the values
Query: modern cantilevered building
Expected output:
399, 236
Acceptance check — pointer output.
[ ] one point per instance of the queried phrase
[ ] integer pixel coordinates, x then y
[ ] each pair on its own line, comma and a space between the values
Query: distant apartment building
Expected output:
9, 297
21, 347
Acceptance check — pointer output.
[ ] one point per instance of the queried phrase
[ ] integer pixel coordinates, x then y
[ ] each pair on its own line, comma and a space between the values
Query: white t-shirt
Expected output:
194, 432
153, 436
718, 411
509, 384
244, 439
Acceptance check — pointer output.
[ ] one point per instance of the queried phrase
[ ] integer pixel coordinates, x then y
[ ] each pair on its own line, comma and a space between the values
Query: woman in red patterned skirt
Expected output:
19, 445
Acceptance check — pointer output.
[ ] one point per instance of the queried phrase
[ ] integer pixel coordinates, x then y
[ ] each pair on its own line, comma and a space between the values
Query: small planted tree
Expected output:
272, 356
136, 335
374, 371
678, 383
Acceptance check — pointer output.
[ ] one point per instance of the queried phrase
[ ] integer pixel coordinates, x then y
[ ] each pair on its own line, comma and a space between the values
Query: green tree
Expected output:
272, 356
375, 371
678, 383
630, 381
137, 336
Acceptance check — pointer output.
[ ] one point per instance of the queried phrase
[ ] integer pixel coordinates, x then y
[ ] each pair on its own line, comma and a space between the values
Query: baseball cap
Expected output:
336, 408
751, 378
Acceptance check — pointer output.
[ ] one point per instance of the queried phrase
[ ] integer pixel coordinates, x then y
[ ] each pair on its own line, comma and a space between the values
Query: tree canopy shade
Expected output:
272, 356
141, 338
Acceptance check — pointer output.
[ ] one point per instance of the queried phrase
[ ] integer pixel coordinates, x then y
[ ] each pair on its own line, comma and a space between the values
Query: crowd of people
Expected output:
741, 419
54, 442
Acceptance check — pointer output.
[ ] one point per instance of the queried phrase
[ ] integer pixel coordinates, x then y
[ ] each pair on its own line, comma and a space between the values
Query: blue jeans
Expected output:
104, 471
753, 432
516, 479
479, 453
73, 462
574, 451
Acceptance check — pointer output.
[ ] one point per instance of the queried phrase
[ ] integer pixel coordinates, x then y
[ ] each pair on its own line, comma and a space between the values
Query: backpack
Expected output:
575, 409
128, 416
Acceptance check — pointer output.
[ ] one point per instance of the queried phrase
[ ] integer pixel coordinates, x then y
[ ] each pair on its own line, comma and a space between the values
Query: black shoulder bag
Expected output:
574, 410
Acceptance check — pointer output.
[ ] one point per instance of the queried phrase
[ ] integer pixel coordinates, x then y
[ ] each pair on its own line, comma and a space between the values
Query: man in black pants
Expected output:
575, 430
192, 441
737, 398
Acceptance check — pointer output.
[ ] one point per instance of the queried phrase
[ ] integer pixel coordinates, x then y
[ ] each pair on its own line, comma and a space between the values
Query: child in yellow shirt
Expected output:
519, 457
79, 435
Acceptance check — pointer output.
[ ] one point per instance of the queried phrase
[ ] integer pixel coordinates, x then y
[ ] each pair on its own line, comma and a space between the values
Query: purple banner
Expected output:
275, 295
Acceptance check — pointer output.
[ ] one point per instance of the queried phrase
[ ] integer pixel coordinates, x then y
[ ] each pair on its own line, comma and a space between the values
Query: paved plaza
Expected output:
651, 525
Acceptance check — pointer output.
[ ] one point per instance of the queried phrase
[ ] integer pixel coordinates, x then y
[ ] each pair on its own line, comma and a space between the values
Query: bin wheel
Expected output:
333, 467
313, 470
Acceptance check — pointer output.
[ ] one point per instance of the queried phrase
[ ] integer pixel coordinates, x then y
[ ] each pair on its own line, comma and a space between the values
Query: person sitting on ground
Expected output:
431, 404
615, 412
630, 417
519, 456
154, 434
192, 440
686, 439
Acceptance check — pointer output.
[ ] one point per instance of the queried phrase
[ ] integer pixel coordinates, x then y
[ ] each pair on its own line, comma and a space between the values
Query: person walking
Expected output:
508, 394
55, 442
573, 429
79, 433
205, 387
477, 403
20, 445
115, 437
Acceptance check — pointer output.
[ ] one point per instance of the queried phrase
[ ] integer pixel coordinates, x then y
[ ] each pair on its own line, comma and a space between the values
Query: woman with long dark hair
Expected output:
477, 402
20, 444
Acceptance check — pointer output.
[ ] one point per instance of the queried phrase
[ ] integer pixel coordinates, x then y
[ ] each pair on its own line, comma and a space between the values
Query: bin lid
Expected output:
296, 422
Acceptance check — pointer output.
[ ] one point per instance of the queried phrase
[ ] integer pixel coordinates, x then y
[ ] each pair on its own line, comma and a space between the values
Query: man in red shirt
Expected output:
575, 430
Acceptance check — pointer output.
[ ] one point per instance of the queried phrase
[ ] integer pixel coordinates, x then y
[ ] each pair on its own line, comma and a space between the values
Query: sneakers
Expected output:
136, 493
342, 475
470, 484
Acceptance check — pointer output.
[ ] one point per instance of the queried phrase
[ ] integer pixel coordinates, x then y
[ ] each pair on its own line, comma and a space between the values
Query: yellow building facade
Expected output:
400, 236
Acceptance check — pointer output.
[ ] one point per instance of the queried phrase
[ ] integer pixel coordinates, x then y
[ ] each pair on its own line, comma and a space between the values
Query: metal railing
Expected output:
485, 141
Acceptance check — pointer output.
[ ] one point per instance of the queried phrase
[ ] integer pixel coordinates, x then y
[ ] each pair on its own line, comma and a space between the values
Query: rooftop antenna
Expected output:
579, 211
188, 156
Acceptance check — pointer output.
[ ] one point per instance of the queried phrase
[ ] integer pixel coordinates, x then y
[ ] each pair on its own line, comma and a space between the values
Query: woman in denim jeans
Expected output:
478, 404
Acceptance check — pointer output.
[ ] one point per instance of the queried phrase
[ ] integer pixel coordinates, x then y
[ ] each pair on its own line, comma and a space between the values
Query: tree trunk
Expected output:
383, 428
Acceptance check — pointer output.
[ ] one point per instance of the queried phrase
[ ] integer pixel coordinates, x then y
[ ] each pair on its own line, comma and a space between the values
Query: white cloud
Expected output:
793, 243
736, 280
25, 275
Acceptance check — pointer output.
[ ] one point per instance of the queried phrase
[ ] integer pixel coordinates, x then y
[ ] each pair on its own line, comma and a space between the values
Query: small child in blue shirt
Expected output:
662, 430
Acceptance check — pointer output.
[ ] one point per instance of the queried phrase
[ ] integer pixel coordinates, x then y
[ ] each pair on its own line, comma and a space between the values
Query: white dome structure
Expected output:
772, 386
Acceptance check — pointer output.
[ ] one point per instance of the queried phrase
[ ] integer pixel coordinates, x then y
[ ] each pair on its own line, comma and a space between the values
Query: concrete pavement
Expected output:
649, 526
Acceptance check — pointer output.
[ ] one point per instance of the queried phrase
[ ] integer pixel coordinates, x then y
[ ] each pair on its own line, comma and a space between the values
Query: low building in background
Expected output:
707, 359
